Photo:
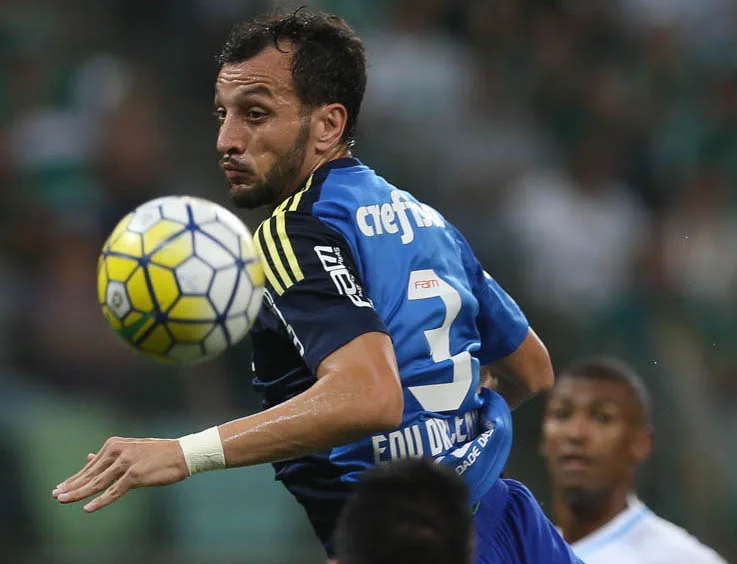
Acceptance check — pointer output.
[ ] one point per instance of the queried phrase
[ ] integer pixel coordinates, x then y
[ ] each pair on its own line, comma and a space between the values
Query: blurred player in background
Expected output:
597, 431
412, 510
377, 317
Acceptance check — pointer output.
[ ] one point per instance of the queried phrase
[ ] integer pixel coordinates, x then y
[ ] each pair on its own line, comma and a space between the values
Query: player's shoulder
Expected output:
302, 228
336, 185
665, 537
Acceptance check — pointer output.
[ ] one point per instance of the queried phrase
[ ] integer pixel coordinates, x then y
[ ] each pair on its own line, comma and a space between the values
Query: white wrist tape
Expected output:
203, 451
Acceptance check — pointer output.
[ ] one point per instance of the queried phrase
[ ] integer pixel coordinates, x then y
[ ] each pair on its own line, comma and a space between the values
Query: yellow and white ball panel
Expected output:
194, 276
157, 341
102, 280
129, 244
164, 285
159, 234
189, 331
175, 209
248, 250
255, 272
237, 327
221, 290
175, 252
138, 292
120, 268
118, 231
192, 308
223, 235
217, 255
233, 223
111, 319
186, 353
144, 218
202, 211
216, 342
243, 294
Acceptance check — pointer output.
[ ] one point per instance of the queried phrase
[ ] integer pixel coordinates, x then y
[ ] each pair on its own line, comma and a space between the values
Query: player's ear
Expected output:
642, 444
329, 122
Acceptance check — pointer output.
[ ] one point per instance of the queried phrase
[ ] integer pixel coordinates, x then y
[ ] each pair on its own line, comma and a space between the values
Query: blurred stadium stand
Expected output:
587, 149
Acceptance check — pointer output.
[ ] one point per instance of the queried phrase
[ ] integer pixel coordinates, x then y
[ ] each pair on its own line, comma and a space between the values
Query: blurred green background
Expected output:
586, 148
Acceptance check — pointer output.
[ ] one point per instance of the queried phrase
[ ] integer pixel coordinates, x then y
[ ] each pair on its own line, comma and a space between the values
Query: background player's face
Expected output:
593, 437
264, 128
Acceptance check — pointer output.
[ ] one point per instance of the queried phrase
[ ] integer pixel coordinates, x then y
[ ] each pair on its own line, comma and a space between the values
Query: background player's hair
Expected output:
412, 510
613, 370
329, 63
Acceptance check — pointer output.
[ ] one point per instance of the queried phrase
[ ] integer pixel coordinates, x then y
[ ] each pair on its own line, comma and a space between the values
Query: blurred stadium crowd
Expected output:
586, 148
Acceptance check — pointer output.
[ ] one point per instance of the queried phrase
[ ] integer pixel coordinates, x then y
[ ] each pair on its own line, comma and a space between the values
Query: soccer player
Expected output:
377, 317
597, 431
411, 510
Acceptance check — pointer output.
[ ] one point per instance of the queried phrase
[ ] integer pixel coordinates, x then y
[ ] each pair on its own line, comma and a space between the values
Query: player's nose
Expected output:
232, 138
576, 428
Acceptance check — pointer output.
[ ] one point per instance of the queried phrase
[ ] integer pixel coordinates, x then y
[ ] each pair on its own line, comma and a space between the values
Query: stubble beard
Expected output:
282, 177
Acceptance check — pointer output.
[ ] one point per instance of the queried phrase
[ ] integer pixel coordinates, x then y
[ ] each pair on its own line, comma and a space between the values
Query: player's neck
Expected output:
578, 520
338, 152
309, 168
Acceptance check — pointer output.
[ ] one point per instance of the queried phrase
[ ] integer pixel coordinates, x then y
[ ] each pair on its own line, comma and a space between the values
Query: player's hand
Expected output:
123, 465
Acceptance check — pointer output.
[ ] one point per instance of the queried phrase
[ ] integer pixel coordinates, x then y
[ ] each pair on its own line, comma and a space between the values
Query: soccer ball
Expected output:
179, 279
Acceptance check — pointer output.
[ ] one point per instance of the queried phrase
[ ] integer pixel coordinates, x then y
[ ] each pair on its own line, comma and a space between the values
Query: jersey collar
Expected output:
344, 162
614, 529
293, 201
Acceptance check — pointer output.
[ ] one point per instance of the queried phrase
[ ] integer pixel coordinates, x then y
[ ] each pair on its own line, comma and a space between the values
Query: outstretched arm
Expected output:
358, 392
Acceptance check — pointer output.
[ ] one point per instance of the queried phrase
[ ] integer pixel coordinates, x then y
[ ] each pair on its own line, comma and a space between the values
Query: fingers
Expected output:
94, 485
61, 486
117, 490
92, 470
96, 463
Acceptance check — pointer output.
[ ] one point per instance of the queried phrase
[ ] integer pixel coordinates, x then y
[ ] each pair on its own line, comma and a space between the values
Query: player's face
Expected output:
264, 129
592, 437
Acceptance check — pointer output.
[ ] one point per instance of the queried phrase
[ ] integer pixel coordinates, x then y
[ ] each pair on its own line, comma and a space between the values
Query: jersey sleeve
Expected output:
313, 286
501, 323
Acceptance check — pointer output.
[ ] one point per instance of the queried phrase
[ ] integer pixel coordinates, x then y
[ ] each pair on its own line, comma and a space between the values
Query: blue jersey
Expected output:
348, 254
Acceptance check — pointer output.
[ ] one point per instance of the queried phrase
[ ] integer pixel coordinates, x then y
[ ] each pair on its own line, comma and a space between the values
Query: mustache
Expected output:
234, 164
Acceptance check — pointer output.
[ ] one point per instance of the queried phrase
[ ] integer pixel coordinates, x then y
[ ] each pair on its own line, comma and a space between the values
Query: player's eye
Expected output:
219, 114
559, 413
603, 418
256, 114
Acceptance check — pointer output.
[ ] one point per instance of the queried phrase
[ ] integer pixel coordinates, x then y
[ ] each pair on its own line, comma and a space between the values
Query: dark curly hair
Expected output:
411, 510
329, 63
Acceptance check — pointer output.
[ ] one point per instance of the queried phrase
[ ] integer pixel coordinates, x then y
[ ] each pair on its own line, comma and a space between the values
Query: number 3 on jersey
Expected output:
425, 284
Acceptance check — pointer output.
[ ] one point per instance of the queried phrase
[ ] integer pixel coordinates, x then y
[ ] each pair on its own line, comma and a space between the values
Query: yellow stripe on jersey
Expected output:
281, 208
274, 252
281, 233
298, 196
288, 274
265, 263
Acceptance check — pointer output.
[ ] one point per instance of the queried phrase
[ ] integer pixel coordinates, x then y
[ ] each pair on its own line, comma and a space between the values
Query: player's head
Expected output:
412, 510
287, 96
596, 431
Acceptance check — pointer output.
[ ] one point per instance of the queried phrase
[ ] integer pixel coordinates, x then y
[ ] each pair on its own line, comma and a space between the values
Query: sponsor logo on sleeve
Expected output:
332, 261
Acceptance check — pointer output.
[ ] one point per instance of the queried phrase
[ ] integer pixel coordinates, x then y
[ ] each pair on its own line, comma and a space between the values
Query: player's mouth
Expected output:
574, 462
237, 176
236, 172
